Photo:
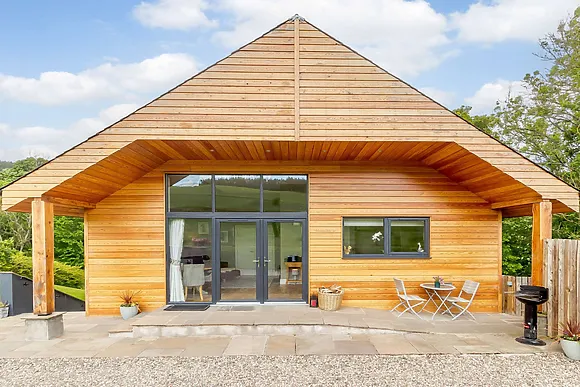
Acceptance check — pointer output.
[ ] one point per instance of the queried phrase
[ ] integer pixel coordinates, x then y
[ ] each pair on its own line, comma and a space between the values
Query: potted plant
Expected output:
129, 308
570, 339
438, 281
4, 309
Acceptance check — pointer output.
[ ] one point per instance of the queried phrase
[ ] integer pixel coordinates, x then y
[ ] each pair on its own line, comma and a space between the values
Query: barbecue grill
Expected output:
531, 297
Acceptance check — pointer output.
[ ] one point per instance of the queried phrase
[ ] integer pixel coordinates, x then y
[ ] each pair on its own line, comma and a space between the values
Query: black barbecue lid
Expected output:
533, 288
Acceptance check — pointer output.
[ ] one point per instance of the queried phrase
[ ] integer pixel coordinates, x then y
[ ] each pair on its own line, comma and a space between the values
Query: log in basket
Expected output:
330, 298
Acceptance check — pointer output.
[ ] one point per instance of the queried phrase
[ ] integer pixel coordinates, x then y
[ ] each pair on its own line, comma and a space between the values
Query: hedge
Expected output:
17, 262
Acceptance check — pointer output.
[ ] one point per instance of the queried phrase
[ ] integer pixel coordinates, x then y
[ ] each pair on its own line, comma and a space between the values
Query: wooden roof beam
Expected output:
513, 203
68, 202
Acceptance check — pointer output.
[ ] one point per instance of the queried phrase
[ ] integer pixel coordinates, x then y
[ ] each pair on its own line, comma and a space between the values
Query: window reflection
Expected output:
237, 193
190, 193
285, 193
407, 236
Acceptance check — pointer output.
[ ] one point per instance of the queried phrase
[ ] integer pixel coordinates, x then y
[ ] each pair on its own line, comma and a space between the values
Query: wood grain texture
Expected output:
42, 257
292, 85
126, 243
541, 230
562, 278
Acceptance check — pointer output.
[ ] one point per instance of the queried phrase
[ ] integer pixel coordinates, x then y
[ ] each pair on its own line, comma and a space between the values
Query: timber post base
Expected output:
39, 328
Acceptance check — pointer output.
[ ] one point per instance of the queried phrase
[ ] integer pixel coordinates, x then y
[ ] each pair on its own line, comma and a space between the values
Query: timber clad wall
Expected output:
126, 249
464, 235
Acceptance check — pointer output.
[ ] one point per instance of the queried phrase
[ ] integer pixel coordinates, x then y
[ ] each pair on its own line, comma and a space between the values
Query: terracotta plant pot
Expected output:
129, 311
571, 348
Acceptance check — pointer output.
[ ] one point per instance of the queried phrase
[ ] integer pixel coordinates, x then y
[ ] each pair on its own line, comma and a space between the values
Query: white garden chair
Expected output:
466, 296
408, 302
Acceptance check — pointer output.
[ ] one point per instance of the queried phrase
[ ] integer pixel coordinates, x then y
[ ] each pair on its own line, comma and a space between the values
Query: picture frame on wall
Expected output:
224, 236
203, 228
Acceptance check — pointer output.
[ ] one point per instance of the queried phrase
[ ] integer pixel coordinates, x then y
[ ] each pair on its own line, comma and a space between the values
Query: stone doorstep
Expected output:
250, 330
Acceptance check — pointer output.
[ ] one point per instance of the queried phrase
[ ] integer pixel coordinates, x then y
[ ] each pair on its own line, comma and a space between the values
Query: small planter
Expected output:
4, 311
129, 311
571, 348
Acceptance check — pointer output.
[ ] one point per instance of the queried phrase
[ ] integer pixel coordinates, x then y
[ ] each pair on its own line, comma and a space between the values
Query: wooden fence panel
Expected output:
561, 277
510, 285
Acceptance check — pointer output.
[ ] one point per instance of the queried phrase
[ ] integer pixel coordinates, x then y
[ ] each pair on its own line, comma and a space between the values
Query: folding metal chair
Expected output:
469, 288
409, 302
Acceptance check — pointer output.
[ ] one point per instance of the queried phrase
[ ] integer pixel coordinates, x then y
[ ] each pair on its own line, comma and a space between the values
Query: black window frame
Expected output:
387, 239
198, 214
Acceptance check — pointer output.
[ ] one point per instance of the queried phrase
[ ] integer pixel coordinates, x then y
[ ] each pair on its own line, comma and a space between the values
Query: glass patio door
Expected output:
283, 260
238, 260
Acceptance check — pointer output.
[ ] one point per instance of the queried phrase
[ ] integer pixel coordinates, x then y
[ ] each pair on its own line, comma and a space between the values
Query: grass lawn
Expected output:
73, 292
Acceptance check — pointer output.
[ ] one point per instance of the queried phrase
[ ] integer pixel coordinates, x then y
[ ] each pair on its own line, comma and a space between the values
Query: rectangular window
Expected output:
237, 193
285, 193
386, 237
190, 193
190, 253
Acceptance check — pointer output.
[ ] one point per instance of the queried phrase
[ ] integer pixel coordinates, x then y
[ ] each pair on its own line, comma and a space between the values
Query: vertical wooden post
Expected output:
296, 78
541, 229
42, 257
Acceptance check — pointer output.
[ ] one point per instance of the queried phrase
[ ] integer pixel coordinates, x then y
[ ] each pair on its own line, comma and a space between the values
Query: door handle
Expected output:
266, 260
256, 261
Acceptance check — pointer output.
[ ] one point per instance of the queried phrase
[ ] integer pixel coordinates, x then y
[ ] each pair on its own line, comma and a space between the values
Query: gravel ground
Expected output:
429, 370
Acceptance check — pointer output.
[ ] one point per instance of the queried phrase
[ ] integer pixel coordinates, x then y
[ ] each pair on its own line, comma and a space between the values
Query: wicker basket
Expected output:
330, 301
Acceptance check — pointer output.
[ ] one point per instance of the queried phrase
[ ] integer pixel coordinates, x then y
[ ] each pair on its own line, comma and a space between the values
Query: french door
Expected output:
260, 260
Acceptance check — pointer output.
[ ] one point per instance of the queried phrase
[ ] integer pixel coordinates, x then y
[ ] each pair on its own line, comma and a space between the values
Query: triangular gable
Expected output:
302, 85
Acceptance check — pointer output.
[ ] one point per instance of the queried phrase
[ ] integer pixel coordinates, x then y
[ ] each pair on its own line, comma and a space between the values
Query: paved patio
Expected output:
270, 330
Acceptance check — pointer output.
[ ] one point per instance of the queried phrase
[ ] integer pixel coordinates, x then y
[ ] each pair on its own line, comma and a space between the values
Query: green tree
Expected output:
16, 225
68, 232
486, 122
68, 240
544, 122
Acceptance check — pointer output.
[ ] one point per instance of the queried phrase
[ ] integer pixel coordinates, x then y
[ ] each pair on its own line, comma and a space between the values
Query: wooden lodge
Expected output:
293, 163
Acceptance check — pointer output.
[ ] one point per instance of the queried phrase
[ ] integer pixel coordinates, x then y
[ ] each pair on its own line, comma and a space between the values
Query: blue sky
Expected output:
70, 68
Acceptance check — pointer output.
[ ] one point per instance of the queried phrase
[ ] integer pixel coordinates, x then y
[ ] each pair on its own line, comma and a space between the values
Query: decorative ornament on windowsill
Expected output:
377, 238
420, 248
438, 281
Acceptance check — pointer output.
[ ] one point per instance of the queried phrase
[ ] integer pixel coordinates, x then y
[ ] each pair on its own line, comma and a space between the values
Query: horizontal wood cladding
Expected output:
348, 101
465, 241
287, 98
125, 246
126, 243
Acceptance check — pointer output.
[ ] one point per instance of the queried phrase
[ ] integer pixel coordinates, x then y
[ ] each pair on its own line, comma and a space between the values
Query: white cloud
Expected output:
49, 142
174, 14
105, 81
445, 98
485, 99
405, 37
499, 20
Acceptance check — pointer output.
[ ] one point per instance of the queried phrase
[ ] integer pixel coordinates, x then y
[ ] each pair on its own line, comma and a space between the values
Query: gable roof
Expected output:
295, 85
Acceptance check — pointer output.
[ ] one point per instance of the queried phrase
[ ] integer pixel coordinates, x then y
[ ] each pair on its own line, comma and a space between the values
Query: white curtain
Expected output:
176, 227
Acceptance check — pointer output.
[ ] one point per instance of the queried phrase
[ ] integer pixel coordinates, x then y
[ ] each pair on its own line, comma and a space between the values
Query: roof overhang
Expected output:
98, 181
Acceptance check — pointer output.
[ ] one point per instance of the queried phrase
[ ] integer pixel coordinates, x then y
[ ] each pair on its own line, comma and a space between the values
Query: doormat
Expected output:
186, 308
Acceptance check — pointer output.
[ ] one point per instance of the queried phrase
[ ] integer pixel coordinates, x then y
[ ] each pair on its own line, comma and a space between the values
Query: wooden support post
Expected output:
42, 257
541, 229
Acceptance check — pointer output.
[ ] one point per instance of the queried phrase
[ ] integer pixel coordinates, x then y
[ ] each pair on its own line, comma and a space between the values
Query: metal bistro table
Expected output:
441, 293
